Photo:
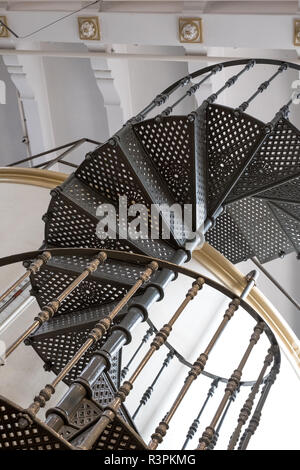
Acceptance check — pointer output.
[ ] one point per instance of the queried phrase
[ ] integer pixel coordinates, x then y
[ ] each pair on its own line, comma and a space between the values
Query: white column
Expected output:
113, 82
19, 78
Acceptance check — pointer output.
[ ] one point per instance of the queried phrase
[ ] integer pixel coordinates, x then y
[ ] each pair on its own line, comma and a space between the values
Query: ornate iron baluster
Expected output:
231, 81
94, 336
195, 424
199, 365
217, 432
161, 336
51, 308
32, 269
262, 87
191, 91
255, 420
145, 338
248, 405
121, 335
159, 100
232, 385
147, 394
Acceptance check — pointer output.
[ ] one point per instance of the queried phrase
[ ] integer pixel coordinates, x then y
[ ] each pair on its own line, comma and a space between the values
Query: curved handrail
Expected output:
161, 97
210, 258
32, 176
232, 278
134, 258
232, 63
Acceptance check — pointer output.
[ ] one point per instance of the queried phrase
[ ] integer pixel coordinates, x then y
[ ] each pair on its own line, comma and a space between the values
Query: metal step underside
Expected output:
277, 159
71, 221
57, 341
117, 436
174, 145
230, 141
36, 437
107, 284
121, 167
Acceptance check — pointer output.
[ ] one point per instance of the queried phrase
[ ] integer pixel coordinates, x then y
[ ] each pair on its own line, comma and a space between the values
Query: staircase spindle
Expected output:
119, 337
218, 429
160, 99
191, 91
199, 365
121, 395
52, 307
145, 338
231, 81
262, 87
248, 405
265, 132
148, 392
232, 385
255, 420
94, 336
195, 424
32, 269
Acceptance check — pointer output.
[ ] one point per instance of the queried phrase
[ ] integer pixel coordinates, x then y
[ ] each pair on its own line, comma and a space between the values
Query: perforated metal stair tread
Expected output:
116, 436
85, 318
36, 437
277, 159
71, 221
227, 238
289, 191
230, 142
57, 342
258, 232
289, 221
119, 272
107, 284
123, 169
171, 142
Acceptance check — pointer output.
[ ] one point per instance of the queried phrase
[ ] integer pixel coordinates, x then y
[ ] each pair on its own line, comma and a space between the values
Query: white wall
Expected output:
11, 134
75, 109
21, 229
149, 78
190, 336
76, 105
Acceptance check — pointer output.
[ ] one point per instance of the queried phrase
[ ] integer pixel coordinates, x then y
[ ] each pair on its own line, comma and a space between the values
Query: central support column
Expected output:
121, 335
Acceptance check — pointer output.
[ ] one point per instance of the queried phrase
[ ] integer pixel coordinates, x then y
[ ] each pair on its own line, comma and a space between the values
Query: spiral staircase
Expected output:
240, 176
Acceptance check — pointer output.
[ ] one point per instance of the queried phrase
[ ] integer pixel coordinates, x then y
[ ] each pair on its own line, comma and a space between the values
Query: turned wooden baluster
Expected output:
199, 365
94, 336
193, 374
160, 338
232, 386
248, 405
52, 307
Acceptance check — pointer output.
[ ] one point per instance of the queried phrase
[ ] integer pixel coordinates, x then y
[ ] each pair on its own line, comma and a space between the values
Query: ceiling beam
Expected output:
129, 56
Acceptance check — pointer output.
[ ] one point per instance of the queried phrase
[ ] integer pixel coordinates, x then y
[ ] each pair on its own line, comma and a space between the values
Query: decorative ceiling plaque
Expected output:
190, 30
3, 31
89, 28
297, 33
